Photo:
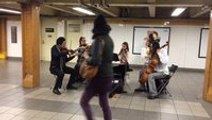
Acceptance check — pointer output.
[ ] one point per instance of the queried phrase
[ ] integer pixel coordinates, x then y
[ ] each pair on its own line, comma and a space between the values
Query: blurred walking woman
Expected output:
101, 56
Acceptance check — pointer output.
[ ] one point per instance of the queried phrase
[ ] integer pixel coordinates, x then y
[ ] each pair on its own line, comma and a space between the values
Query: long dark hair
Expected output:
126, 44
60, 40
101, 26
127, 47
155, 32
80, 40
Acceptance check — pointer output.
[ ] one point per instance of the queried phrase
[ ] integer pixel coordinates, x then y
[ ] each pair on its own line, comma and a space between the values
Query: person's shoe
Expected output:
140, 90
71, 87
57, 92
152, 96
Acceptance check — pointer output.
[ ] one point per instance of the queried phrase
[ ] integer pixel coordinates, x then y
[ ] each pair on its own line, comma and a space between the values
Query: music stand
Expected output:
115, 57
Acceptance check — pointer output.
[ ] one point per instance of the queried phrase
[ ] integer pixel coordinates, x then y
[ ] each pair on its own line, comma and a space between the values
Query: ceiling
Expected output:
195, 9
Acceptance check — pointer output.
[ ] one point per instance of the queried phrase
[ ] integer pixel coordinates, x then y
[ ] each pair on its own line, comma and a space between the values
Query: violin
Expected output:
66, 50
151, 66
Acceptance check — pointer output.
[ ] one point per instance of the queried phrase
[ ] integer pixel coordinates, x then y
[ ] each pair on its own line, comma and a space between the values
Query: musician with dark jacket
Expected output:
101, 56
59, 57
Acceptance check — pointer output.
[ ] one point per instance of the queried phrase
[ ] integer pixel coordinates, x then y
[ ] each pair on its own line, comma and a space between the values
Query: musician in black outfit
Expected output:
59, 56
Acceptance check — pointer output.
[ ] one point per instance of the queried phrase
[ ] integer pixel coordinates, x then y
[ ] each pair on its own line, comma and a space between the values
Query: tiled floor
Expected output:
40, 103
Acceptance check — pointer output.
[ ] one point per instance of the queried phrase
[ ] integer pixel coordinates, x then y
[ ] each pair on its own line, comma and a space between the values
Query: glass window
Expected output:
14, 34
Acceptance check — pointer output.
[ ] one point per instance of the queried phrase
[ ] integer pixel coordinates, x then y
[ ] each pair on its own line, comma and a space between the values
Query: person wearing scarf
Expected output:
101, 57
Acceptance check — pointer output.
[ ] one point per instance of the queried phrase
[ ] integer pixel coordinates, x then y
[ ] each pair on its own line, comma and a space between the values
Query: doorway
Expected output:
14, 39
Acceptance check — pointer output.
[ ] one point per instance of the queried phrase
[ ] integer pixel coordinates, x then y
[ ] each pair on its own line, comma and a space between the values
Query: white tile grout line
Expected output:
37, 113
186, 102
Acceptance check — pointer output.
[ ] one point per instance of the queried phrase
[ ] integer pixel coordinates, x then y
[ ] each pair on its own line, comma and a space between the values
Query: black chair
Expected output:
163, 82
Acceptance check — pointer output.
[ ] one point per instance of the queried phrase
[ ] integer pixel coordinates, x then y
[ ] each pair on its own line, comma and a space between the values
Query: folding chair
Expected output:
163, 82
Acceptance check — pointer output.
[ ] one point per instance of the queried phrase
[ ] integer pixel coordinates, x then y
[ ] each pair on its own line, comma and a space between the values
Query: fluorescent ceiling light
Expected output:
121, 25
82, 10
177, 11
166, 23
9, 11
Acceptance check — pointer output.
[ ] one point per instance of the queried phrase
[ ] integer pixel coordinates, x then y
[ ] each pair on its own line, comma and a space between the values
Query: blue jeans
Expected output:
151, 82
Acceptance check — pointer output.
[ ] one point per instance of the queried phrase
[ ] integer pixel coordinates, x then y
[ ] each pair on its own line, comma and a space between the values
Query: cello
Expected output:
149, 68
87, 71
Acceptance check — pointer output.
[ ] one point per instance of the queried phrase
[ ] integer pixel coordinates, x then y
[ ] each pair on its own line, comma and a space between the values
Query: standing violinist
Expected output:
60, 55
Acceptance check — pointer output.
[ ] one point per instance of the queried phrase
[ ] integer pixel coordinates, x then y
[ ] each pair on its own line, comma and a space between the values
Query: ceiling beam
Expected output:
62, 3
152, 11
201, 12
80, 3
132, 5
151, 8
47, 11
62, 10
155, 5
153, 21
104, 10
159, 1
9, 2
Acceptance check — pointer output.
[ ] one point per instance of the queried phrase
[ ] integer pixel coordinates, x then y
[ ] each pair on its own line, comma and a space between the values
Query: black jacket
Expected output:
102, 55
58, 58
102, 48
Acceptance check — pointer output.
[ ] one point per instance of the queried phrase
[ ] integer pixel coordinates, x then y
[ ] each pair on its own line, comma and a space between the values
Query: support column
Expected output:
207, 93
3, 39
31, 44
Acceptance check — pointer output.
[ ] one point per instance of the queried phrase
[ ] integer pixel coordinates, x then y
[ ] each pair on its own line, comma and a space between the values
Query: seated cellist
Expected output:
161, 68
160, 71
